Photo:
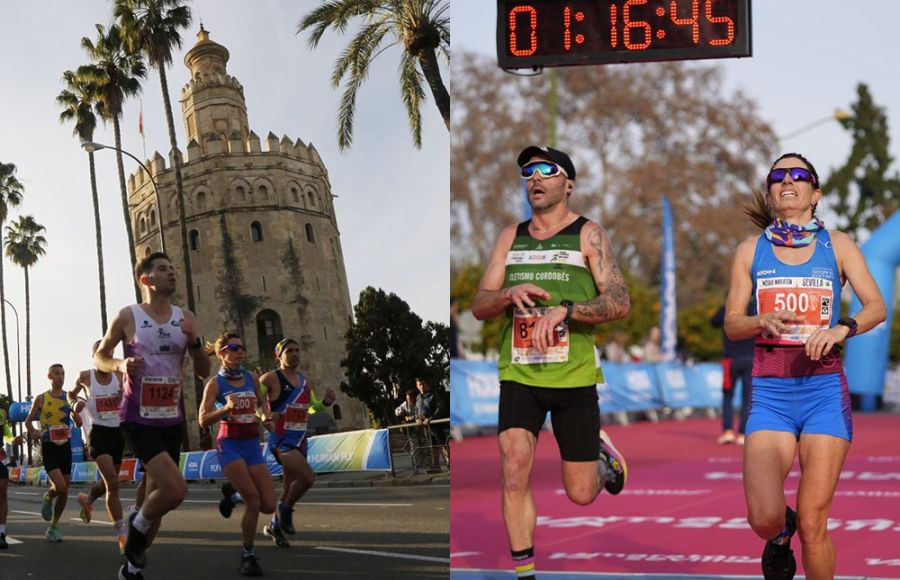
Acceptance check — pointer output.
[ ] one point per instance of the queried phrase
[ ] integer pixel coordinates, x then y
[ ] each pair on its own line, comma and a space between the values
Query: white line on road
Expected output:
386, 554
93, 522
310, 503
26, 513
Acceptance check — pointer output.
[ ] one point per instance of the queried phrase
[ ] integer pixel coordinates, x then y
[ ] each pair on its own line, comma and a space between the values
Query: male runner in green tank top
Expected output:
553, 277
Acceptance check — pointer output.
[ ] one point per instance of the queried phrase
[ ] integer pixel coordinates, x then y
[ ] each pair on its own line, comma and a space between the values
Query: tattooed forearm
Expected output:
613, 302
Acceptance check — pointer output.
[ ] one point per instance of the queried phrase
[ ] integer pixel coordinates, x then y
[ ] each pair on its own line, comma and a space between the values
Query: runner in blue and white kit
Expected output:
291, 398
155, 335
791, 276
232, 398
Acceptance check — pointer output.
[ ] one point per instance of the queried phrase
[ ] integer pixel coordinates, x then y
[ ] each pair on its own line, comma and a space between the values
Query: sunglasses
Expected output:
232, 348
797, 174
545, 168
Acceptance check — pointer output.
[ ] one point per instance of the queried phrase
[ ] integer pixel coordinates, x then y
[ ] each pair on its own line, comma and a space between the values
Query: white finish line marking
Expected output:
385, 554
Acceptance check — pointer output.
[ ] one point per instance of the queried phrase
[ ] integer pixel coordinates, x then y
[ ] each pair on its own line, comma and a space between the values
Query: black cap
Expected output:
550, 153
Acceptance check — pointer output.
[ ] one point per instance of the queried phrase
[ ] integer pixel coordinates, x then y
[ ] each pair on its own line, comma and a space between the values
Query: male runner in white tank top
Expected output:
155, 336
102, 398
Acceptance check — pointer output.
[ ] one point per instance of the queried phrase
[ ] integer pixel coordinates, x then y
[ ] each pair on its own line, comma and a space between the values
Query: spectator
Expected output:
737, 363
615, 349
407, 409
428, 408
416, 442
652, 350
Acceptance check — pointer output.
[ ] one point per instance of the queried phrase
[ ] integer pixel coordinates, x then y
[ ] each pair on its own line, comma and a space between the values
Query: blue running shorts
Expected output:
818, 404
233, 449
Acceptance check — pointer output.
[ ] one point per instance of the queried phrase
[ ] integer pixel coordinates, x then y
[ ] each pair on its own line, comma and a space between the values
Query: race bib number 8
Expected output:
523, 351
244, 408
809, 298
159, 397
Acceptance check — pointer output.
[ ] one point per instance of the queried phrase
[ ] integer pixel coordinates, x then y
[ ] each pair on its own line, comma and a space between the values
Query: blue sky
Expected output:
393, 204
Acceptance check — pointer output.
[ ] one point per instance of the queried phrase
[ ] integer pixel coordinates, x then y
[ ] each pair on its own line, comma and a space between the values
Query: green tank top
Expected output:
556, 265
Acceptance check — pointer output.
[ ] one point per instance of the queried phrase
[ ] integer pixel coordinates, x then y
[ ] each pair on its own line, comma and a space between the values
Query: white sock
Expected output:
120, 527
142, 524
2, 528
132, 569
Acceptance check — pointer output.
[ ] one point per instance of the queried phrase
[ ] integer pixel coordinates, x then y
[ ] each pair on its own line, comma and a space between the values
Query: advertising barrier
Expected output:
366, 450
475, 389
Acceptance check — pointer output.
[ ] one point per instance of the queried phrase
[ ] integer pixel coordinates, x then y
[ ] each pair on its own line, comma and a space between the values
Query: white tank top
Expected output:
103, 404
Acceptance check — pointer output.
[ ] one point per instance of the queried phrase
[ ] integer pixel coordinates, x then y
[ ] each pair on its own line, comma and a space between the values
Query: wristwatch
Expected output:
569, 306
849, 323
198, 342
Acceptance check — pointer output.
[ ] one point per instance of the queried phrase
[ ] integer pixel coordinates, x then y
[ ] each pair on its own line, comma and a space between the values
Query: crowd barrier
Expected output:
627, 387
366, 450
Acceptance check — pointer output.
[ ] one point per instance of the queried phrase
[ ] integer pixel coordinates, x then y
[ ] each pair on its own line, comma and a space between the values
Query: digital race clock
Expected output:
538, 33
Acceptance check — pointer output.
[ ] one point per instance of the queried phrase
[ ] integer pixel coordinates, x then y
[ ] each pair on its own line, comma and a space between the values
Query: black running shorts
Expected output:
57, 457
574, 413
148, 442
107, 441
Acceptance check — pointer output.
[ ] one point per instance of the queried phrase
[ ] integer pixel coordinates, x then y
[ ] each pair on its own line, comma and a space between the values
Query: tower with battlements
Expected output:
263, 240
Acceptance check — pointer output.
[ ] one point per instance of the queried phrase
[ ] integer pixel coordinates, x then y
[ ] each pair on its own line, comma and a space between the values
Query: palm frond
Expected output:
413, 93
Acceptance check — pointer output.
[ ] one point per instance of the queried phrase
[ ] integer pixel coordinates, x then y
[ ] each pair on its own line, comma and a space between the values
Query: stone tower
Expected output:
263, 240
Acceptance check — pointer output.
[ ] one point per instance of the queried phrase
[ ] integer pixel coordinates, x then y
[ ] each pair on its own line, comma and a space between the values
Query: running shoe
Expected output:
614, 464
3, 544
53, 534
726, 437
226, 505
249, 565
778, 561
47, 508
122, 544
286, 520
277, 535
124, 574
87, 510
135, 544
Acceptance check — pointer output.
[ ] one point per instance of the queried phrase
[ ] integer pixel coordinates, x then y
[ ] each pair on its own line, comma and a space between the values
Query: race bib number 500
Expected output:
159, 397
244, 408
809, 298
523, 351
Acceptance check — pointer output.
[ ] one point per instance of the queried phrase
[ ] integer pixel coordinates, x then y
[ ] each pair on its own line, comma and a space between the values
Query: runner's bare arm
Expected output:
854, 268
208, 412
492, 299
32, 417
81, 384
120, 330
612, 302
191, 328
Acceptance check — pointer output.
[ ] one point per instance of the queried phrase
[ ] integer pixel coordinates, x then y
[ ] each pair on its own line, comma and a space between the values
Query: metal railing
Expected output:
420, 448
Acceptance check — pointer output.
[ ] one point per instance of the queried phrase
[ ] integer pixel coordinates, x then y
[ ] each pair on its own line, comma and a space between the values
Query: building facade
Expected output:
263, 240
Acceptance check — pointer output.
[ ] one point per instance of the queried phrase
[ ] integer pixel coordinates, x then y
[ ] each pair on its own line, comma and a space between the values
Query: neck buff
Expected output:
230, 373
785, 234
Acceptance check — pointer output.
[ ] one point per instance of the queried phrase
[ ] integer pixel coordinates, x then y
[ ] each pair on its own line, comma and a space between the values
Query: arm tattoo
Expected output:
613, 302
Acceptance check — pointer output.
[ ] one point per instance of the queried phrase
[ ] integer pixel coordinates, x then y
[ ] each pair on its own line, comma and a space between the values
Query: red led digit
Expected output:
513, 37
692, 21
720, 20
567, 23
613, 31
626, 35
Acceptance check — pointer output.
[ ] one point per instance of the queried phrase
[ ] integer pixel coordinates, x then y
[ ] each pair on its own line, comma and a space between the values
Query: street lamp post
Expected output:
837, 115
18, 362
91, 146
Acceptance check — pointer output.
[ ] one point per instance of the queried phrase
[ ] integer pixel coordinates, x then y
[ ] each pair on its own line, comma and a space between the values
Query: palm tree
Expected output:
76, 100
115, 72
421, 26
24, 245
151, 27
11, 192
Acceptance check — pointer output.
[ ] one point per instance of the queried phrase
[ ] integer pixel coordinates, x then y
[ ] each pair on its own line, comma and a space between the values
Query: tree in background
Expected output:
422, 27
77, 100
11, 192
866, 194
388, 347
115, 72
